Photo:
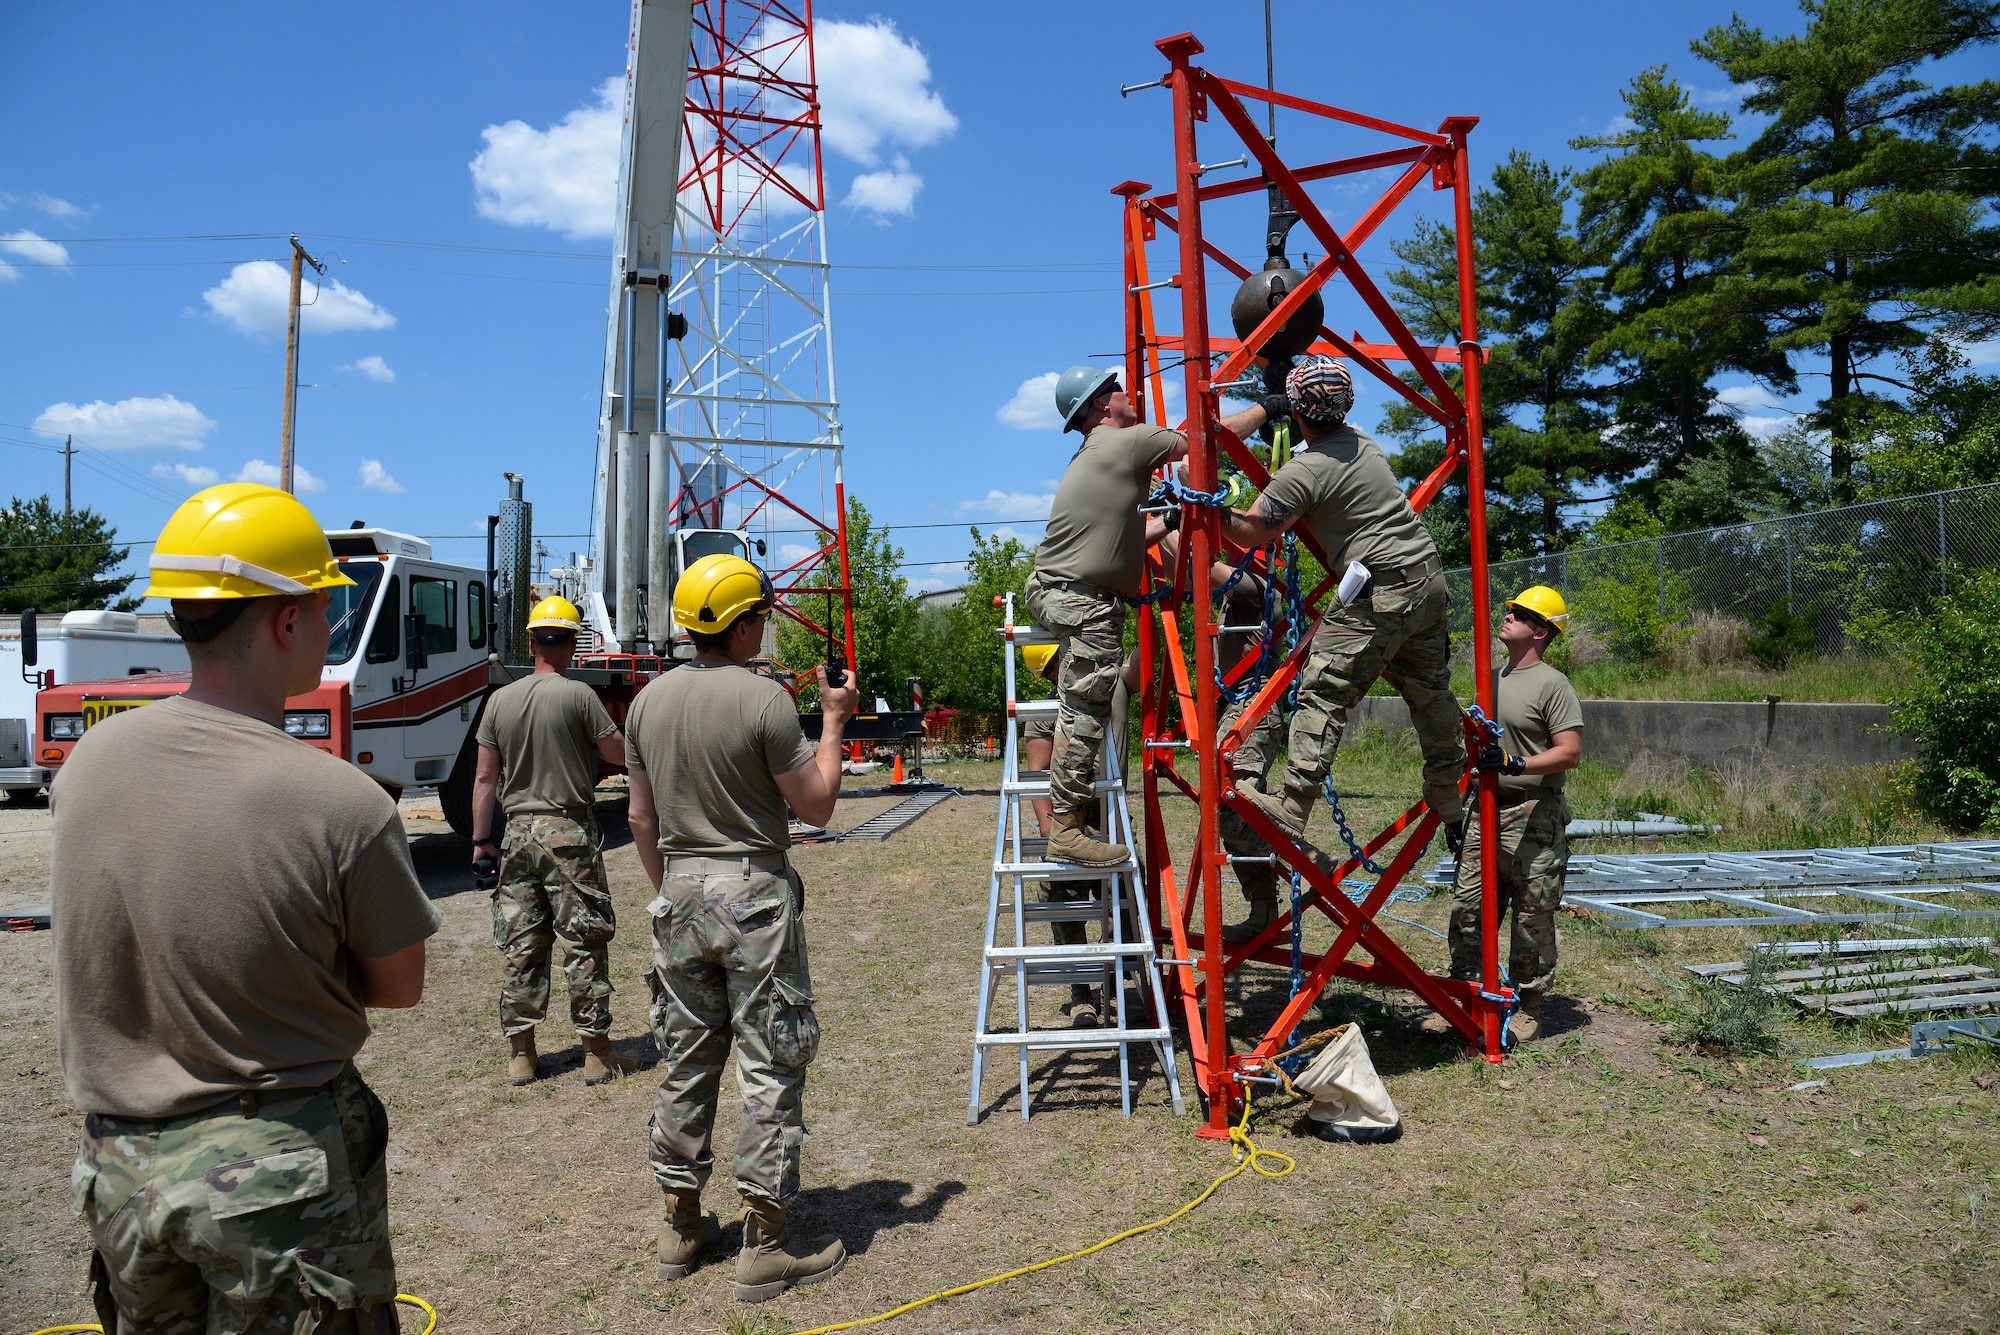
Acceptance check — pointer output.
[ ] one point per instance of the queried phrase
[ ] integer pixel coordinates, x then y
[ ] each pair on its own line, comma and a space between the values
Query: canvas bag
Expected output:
1349, 1101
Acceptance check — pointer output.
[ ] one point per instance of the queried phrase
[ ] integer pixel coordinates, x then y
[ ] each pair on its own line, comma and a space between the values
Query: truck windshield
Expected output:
347, 614
709, 542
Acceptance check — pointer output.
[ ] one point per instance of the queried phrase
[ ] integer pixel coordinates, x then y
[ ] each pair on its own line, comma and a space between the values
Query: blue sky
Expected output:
978, 144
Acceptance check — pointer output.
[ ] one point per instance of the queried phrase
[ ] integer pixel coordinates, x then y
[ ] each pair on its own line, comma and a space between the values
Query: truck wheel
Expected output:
455, 793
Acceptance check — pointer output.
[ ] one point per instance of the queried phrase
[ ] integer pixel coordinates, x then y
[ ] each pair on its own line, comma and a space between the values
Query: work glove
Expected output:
1276, 407
1454, 835
1172, 519
1494, 760
1275, 371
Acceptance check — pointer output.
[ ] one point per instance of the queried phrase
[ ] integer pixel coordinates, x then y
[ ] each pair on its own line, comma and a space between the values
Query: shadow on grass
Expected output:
854, 1214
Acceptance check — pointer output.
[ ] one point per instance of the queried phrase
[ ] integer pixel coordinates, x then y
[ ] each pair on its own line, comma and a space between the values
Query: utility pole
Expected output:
299, 260
68, 449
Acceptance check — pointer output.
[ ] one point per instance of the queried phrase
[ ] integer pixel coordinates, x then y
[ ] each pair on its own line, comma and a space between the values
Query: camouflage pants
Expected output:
729, 958
552, 884
1400, 634
1533, 858
1091, 623
272, 1224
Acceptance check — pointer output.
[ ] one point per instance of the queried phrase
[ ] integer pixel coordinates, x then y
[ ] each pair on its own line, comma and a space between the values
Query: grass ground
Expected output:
1609, 1178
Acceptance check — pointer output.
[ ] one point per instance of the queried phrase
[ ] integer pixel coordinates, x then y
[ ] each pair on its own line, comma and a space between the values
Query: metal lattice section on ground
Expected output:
1892, 978
1807, 886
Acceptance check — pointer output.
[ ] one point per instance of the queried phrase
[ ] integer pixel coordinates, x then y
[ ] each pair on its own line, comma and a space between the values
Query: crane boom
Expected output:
630, 515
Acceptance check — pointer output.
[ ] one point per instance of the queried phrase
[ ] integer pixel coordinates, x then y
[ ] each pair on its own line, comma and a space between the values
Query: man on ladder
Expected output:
545, 734
1090, 564
716, 752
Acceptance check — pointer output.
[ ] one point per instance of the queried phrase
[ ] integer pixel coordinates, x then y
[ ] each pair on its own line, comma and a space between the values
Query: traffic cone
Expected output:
897, 776
989, 746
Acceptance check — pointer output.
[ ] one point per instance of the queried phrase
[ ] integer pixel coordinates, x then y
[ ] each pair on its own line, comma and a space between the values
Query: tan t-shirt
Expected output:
213, 881
1341, 488
713, 739
546, 729
1096, 533
1534, 704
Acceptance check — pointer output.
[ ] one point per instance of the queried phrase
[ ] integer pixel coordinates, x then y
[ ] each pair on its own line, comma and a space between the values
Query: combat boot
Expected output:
685, 1234
771, 1262
1525, 1025
1084, 1012
1291, 811
1069, 843
521, 1066
601, 1062
1260, 887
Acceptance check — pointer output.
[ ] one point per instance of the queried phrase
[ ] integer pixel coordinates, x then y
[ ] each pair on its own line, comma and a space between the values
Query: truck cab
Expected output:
686, 546
83, 646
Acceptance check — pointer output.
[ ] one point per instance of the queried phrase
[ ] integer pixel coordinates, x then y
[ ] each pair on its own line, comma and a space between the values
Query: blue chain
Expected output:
1293, 1065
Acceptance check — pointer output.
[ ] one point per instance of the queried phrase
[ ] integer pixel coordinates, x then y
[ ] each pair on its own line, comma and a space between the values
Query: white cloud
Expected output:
1982, 354
874, 90
944, 575
1739, 400
256, 296
1033, 407
874, 97
194, 475
791, 553
1009, 505
564, 178
1619, 124
1715, 97
373, 367
256, 470
163, 423
33, 248
376, 478
893, 190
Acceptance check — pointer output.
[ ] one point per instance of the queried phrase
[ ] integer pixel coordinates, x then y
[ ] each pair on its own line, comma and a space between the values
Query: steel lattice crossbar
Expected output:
1179, 707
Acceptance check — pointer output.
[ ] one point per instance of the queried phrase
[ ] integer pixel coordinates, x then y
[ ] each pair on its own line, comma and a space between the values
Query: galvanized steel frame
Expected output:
1181, 702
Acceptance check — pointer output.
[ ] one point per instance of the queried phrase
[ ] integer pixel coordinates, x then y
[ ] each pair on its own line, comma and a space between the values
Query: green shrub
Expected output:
1729, 1017
1631, 616
1782, 636
1949, 704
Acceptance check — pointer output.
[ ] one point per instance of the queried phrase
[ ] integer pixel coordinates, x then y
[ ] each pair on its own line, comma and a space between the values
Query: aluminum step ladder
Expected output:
1115, 959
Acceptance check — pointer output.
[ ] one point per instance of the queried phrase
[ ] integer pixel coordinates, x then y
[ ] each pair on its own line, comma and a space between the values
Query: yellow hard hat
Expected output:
1038, 655
717, 589
241, 540
555, 613
1545, 603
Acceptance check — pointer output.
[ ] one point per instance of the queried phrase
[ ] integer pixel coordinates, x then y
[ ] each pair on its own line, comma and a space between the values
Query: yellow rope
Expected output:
409, 1298
1247, 1155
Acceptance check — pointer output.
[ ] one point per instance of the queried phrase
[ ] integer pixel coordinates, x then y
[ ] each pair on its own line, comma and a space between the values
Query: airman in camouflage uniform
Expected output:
540, 740
1340, 487
716, 756
1541, 740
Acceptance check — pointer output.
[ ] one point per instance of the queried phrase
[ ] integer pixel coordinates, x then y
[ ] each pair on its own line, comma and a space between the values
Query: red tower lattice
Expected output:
1181, 704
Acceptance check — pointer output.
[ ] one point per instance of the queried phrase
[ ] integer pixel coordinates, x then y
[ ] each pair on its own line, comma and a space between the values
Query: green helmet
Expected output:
1077, 387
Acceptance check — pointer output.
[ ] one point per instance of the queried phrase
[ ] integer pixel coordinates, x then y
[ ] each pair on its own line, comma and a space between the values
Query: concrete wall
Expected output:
1792, 734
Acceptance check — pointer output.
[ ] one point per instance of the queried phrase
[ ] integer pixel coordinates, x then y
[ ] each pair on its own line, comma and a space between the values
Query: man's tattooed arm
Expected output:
1265, 520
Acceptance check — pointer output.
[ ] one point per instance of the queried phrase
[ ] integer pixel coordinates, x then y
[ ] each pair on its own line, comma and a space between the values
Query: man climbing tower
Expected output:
1339, 485
1091, 562
545, 735
228, 904
716, 752
1542, 741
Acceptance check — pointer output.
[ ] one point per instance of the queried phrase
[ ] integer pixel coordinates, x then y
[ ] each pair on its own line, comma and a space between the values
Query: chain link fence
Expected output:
1837, 568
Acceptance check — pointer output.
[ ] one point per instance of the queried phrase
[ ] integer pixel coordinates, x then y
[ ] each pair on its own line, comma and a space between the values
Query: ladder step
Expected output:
1071, 1038
1027, 787
1095, 950
1051, 975
1085, 910
1063, 871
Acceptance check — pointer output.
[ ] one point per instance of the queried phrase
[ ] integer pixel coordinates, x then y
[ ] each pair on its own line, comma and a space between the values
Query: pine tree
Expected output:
1859, 216
1651, 207
1541, 308
56, 561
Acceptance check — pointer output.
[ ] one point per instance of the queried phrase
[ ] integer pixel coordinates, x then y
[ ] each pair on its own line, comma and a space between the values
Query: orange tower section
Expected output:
1183, 754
